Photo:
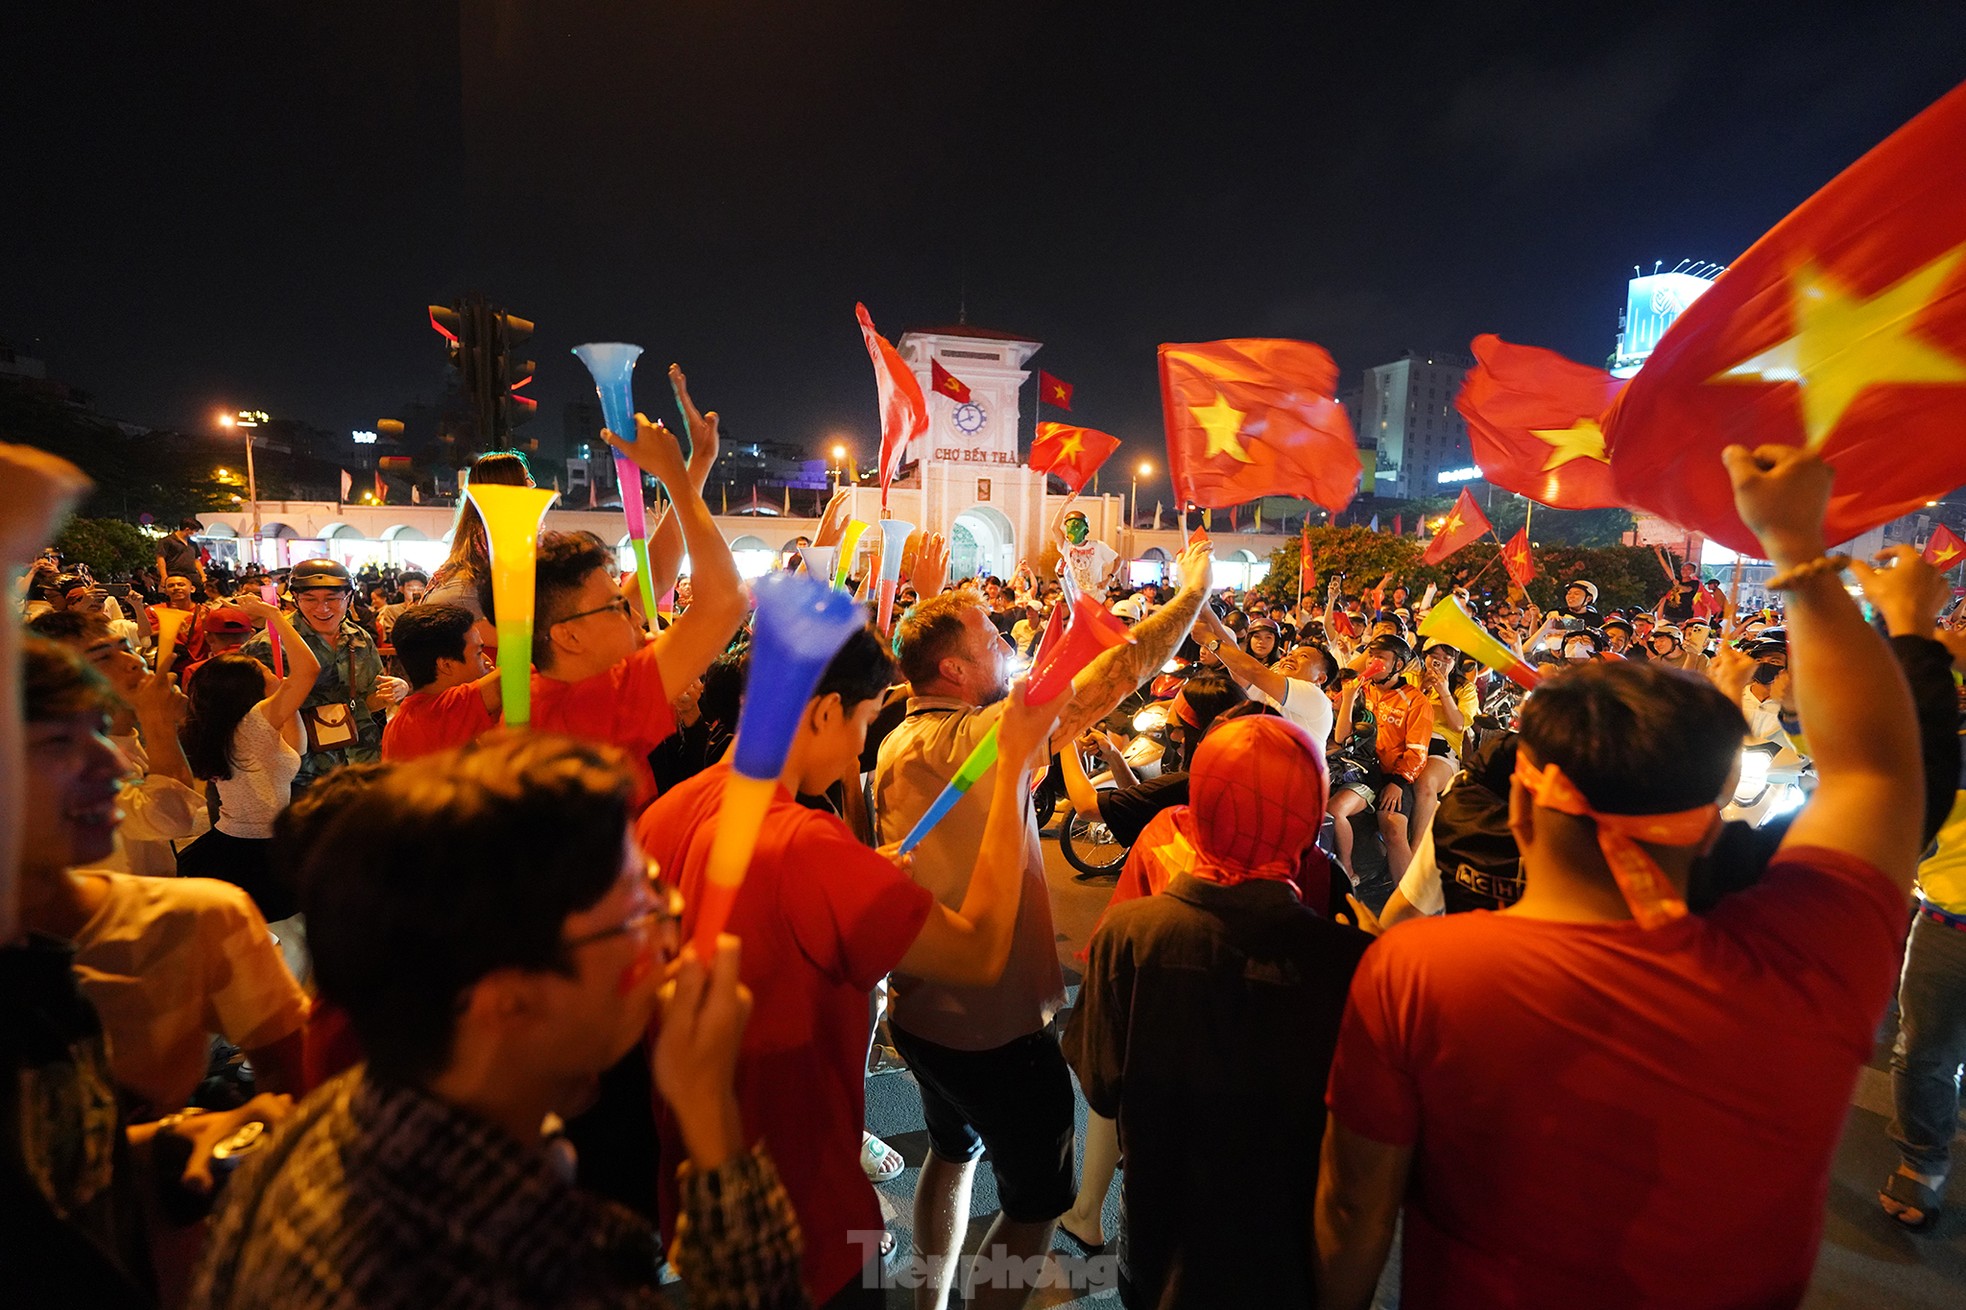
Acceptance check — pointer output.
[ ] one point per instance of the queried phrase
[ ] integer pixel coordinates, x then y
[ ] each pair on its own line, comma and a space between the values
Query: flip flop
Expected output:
1912, 1194
1090, 1248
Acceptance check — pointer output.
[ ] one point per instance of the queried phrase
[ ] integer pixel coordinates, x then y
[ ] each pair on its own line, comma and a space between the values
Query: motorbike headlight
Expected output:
1754, 776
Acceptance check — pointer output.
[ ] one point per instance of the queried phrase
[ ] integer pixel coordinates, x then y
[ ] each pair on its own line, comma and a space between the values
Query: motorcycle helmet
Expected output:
1589, 589
313, 574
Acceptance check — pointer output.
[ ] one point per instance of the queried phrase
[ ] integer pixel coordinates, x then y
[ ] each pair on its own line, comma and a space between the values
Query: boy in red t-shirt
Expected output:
823, 919
453, 692
1593, 1097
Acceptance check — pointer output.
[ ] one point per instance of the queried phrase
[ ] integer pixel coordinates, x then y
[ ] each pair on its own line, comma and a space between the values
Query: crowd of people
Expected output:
328, 990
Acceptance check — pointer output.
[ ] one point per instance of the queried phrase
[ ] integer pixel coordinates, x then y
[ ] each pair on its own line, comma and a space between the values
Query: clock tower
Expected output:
974, 486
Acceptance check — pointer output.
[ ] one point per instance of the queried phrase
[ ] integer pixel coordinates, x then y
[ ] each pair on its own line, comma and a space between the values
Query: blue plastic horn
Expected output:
613, 365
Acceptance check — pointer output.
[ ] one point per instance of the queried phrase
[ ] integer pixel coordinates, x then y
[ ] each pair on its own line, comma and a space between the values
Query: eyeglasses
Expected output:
665, 911
618, 605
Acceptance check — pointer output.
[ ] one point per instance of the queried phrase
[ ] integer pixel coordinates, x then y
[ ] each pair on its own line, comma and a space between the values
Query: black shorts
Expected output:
1016, 1101
1407, 796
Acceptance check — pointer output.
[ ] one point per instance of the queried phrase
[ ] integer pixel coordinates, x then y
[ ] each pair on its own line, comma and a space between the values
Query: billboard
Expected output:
1652, 302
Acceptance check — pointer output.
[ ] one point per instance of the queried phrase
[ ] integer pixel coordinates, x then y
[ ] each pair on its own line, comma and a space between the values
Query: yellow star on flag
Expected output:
1843, 345
1071, 444
1945, 554
1221, 421
1058, 393
1452, 525
1177, 854
1583, 439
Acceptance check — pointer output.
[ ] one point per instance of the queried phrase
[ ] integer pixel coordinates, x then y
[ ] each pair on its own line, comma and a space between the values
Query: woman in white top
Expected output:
244, 733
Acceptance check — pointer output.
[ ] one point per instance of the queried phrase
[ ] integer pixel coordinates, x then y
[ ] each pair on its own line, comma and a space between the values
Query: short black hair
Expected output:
565, 561
69, 627
1635, 736
298, 827
427, 633
56, 682
437, 876
862, 671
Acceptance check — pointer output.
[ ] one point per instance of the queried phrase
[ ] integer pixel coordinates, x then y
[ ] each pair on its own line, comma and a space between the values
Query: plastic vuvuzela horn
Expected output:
848, 542
270, 593
802, 622
894, 539
512, 517
820, 561
1092, 632
170, 623
1450, 623
613, 365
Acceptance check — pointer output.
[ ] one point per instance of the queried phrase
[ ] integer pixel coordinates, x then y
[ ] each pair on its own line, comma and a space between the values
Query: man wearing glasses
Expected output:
343, 715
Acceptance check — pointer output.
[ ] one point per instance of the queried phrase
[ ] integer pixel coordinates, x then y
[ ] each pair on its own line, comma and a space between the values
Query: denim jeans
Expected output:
1925, 1064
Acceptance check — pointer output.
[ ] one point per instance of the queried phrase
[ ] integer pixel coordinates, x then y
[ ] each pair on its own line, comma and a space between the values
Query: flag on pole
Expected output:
347, 483
946, 384
904, 410
1255, 417
381, 489
1945, 549
1517, 559
788, 500
1207, 519
1306, 573
416, 494
1535, 424
1843, 331
1159, 505
1053, 391
1071, 454
1374, 525
726, 508
1464, 523
1399, 525
1257, 526
1200, 533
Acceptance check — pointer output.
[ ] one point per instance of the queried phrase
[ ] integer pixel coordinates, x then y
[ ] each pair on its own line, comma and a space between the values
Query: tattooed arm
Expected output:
1110, 678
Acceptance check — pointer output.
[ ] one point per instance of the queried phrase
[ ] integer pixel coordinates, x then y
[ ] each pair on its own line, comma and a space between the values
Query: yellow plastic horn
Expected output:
170, 623
1448, 622
512, 517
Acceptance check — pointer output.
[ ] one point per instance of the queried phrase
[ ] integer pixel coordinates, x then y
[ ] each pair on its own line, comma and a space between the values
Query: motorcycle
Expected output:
1088, 845
1772, 783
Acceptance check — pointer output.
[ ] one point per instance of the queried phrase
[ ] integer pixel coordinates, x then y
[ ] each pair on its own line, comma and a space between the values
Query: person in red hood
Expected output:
1223, 989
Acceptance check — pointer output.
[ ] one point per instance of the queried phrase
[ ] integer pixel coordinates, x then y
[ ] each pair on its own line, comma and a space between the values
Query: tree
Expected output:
107, 546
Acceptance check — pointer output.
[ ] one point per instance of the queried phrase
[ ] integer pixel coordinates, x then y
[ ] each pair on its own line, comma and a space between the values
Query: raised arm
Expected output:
302, 666
1242, 666
1850, 693
1107, 680
666, 541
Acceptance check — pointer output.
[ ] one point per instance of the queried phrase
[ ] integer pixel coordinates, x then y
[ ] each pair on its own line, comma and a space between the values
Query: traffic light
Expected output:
484, 349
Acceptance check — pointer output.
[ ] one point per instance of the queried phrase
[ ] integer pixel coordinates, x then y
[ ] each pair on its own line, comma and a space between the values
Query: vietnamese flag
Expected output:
1052, 391
1464, 523
1945, 549
1071, 454
1306, 572
1255, 417
1534, 424
1518, 560
904, 410
1842, 330
944, 383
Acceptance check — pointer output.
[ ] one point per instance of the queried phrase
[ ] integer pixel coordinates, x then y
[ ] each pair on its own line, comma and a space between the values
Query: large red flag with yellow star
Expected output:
1533, 424
1518, 559
904, 409
1071, 453
1945, 549
1462, 525
1255, 417
945, 383
1843, 330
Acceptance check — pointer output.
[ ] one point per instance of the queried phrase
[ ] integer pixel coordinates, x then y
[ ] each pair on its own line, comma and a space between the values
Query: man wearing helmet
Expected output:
343, 715
1091, 564
1580, 602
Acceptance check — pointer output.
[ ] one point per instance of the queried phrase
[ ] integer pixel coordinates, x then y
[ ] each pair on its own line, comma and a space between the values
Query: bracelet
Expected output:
1790, 578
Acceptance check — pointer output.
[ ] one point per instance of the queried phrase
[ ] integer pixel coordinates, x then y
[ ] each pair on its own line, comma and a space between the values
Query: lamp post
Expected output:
839, 462
246, 420
1144, 469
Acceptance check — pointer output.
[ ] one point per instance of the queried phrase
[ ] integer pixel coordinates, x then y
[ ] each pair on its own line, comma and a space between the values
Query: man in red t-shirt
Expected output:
453, 691
823, 919
1593, 1098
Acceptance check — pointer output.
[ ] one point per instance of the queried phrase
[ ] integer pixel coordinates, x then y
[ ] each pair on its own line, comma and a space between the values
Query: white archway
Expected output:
982, 540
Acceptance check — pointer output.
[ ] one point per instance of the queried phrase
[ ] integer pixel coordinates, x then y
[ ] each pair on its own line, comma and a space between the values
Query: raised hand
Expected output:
654, 451
1907, 591
1025, 731
1781, 493
703, 429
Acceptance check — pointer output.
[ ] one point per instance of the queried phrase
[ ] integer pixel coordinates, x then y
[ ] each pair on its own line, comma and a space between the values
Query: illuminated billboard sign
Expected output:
1652, 302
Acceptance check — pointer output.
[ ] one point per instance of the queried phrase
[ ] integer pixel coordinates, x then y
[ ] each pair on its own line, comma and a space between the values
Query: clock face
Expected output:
970, 417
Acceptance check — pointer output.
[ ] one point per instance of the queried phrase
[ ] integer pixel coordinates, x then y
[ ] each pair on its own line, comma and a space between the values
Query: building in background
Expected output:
1652, 301
1405, 412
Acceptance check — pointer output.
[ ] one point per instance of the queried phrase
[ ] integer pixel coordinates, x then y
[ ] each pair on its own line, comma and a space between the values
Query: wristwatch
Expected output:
1214, 644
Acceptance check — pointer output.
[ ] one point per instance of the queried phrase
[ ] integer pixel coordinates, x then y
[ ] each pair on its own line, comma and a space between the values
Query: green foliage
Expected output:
163, 474
107, 546
1626, 576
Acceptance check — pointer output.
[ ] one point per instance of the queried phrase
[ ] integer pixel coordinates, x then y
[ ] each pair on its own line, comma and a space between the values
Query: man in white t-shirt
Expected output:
1091, 564
1294, 685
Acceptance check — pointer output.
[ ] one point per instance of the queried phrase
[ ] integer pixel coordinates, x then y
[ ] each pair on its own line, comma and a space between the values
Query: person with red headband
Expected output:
1224, 990
1594, 1097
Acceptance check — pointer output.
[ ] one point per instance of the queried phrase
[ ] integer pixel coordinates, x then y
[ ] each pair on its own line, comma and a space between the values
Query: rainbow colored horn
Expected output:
1092, 632
1449, 622
170, 624
512, 517
820, 561
848, 542
801, 624
894, 540
613, 365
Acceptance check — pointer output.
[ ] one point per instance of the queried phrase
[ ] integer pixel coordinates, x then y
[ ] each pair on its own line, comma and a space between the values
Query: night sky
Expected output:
223, 205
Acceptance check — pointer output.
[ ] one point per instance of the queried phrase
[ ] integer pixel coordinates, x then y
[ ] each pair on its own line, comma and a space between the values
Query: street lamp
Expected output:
1144, 469
246, 420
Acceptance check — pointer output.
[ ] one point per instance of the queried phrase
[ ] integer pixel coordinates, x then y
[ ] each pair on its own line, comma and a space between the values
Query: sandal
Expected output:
1913, 1195
879, 1161
1090, 1248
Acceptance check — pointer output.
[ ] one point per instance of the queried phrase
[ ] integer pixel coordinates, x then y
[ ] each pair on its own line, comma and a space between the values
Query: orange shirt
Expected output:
1406, 726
